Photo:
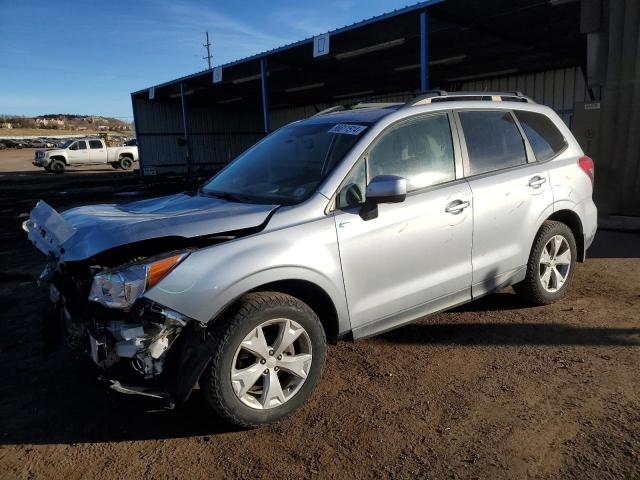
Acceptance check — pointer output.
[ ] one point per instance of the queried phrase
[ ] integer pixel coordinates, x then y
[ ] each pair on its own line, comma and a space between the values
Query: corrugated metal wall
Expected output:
558, 89
215, 140
215, 136
617, 57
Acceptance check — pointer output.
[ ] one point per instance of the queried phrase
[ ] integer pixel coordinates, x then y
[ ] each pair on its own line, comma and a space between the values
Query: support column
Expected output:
183, 102
265, 94
424, 51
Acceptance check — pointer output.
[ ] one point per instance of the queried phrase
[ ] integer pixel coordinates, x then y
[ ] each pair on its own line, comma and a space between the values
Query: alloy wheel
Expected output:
271, 364
555, 263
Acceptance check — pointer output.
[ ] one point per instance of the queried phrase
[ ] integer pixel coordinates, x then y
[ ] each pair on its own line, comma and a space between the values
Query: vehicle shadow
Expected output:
511, 334
73, 407
494, 302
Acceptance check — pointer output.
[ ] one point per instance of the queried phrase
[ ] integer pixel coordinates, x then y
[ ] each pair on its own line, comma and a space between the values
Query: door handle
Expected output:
537, 181
456, 206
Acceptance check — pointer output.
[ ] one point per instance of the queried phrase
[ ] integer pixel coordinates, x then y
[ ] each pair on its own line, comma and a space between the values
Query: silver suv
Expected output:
343, 225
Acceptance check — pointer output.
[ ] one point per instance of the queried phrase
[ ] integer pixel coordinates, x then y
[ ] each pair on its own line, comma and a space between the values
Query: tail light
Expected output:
586, 164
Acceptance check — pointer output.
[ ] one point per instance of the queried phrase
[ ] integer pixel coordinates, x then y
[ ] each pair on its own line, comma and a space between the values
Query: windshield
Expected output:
288, 165
65, 144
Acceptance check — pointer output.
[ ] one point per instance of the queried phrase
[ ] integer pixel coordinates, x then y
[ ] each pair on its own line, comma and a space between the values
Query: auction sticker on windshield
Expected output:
347, 129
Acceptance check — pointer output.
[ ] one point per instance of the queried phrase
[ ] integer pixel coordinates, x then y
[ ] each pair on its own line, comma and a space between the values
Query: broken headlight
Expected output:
121, 287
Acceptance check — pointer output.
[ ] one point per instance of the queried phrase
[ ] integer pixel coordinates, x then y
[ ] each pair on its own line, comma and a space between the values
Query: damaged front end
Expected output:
98, 307
140, 347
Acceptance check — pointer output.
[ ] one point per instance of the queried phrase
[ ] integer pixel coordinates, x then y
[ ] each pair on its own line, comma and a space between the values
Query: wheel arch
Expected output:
308, 292
62, 158
572, 220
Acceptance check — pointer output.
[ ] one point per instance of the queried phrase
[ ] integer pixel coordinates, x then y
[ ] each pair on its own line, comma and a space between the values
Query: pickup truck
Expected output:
87, 151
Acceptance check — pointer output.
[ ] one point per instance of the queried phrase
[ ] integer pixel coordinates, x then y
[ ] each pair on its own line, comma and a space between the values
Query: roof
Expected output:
381, 55
360, 115
306, 41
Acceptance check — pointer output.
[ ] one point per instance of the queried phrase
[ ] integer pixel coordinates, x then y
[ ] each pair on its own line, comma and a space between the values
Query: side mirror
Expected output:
383, 189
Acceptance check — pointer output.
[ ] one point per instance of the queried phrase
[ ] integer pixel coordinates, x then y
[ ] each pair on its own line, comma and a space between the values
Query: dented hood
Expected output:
82, 232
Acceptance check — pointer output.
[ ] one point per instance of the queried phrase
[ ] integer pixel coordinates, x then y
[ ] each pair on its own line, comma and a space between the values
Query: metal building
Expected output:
580, 57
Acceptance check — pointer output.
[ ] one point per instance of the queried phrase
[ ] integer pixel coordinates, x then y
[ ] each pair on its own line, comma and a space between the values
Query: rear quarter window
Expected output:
493, 140
544, 137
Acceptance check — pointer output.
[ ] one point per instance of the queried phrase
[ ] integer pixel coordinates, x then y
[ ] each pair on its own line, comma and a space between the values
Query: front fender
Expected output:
212, 278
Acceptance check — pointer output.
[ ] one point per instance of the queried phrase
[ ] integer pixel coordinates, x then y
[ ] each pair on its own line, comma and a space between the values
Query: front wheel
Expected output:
57, 166
267, 361
125, 163
551, 265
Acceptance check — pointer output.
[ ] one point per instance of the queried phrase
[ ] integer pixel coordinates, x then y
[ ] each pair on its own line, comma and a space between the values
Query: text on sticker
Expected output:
347, 129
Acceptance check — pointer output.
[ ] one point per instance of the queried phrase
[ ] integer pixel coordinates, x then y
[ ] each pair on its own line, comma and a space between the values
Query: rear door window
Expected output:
493, 141
95, 144
544, 137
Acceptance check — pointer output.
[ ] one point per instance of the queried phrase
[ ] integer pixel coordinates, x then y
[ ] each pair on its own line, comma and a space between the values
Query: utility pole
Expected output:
208, 47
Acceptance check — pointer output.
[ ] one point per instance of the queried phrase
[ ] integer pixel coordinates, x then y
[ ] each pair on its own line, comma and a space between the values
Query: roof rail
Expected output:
442, 96
336, 108
375, 105
358, 105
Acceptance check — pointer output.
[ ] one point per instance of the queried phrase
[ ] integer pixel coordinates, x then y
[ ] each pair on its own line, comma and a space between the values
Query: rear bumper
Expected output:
589, 223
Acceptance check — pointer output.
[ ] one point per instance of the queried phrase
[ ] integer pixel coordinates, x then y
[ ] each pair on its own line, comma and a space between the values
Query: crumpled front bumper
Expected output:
135, 352
47, 230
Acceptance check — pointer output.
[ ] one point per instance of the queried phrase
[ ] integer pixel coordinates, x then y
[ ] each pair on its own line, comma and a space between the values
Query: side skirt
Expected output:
407, 316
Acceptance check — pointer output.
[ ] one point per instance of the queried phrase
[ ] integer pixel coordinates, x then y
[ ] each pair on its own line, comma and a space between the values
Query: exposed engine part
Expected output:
75, 331
145, 343
144, 349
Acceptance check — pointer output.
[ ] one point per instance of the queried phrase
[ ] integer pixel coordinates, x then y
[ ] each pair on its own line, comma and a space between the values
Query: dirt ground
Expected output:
493, 390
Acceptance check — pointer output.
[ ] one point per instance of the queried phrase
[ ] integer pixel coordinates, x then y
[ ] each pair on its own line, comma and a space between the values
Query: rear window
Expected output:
544, 137
493, 141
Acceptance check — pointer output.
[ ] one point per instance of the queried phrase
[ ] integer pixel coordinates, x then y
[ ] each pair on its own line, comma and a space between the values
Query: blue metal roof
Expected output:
309, 40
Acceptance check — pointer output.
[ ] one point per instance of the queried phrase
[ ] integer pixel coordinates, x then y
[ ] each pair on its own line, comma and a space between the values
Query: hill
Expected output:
65, 121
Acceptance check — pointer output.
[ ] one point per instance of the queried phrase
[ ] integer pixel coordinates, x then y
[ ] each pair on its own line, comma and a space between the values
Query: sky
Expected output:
86, 57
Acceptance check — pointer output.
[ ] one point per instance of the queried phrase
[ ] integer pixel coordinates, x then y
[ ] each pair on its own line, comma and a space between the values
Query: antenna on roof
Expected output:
208, 47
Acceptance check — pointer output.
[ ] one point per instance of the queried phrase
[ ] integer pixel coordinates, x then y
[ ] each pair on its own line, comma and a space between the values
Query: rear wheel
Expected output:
125, 163
57, 166
551, 265
268, 359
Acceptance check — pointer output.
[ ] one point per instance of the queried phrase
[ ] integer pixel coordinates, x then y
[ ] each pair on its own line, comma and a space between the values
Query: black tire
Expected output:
531, 288
48, 168
57, 166
125, 163
251, 311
